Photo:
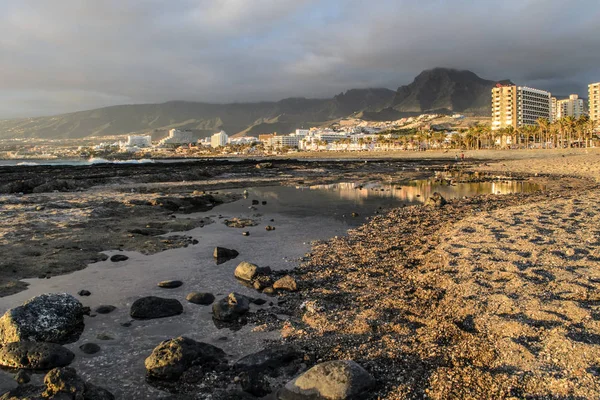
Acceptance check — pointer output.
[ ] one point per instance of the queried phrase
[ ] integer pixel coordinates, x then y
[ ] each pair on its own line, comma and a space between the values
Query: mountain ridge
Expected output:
437, 90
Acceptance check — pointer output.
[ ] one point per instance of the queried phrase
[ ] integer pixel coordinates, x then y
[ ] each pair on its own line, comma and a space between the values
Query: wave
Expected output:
27, 163
105, 161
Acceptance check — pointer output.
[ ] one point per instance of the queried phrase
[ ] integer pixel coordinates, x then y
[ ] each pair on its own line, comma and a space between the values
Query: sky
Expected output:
68, 55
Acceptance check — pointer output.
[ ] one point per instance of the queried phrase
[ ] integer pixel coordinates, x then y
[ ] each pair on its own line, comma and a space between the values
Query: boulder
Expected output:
222, 252
264, 165
286, 283
22, 377
333, 380
231, 307
171, 358
119, 257
436, 200
34, 355
84, 292
155, 307
56, 318
204, 299
269, 359
170, 284
246, 271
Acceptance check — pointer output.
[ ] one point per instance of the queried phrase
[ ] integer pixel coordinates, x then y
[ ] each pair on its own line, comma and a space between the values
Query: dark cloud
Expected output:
66, 55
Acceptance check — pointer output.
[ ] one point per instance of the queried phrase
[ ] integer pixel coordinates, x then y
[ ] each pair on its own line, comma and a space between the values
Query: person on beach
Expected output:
462, 156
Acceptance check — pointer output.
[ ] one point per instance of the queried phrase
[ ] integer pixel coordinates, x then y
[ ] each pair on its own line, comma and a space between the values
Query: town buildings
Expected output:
139, 141
177, 136
594, 102
218, 140
519, 106
571, 107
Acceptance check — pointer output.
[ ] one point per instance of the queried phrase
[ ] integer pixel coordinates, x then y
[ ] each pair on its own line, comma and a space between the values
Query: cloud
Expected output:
77, 54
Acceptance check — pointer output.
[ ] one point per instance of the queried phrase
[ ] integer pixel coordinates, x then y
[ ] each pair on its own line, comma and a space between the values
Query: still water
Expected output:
300, 215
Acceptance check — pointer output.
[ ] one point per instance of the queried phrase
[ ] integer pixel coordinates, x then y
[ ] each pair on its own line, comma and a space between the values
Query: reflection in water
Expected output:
419, 191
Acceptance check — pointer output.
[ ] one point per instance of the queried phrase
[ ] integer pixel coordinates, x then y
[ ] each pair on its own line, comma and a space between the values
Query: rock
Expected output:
265, 165
333, 380
64, 380
34, 355
204, 299
104, 336
254, 383
54, 318
262, 282
119, 257
148, 231
84, 293
436, 200
155, 307
467, 324
105, 309
255, 202
270, 228
231, 307
64, 383
269, 359
264, 202
259, 302
89, 348
269, 290
170, 284
246, 271
222, 252
171, 358
286, 283
354, 214
22, 377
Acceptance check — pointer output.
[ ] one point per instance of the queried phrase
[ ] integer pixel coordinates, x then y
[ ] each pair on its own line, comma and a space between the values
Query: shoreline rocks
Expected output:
230, 308
201, 298
56, 318
171, 358
151, 307
34, 355
332, 380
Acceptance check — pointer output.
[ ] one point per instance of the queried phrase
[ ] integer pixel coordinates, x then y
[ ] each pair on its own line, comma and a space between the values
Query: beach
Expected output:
488, 296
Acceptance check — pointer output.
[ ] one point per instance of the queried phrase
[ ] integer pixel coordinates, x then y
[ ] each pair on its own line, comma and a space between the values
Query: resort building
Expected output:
519, 106
178, 137
571, 107
281, 141
594, 101
139, 141
218, 140
553, 108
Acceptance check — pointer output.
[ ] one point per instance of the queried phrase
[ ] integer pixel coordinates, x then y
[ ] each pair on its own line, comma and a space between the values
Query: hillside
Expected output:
442, 89
439, 90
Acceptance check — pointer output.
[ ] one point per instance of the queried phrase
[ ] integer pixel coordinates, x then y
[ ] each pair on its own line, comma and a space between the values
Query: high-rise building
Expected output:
594, 101
218, 139
571, 107
519, 106
553, 108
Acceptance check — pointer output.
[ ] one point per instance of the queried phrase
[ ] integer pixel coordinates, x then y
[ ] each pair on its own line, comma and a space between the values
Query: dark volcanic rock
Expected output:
436, 200
46, 318
34, 355
335, 380
119, 257
254, 383
105, 309
148, 231
231, 307
22, 377
204, 299
187, 204
269, 359
171, 358
155, 307
222, 252
170, 284
90, 348
84, 293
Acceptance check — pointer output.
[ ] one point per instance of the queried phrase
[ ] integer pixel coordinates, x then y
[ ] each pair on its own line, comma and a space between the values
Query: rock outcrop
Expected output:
34, 355
155, 307
231, 307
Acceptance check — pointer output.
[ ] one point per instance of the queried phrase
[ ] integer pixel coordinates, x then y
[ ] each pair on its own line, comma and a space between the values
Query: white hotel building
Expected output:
571, 107
518, 106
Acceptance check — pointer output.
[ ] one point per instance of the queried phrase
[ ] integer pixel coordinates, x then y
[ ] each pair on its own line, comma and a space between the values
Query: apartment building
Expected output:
218, 140
519, 106
594, 101
553, 109
571, 107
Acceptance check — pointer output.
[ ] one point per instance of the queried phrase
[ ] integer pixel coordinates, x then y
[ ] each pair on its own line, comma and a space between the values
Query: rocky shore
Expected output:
485, 297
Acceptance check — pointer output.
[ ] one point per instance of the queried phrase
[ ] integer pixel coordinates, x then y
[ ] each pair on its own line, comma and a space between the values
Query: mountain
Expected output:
443, 89
440, 90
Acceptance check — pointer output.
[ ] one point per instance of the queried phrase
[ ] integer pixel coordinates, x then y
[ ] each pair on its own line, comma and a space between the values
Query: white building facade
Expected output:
571, 107
139, 141
218, 140
594, 102
177, 136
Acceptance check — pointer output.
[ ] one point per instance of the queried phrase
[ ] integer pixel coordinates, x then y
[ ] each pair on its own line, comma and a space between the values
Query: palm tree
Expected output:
544, 125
